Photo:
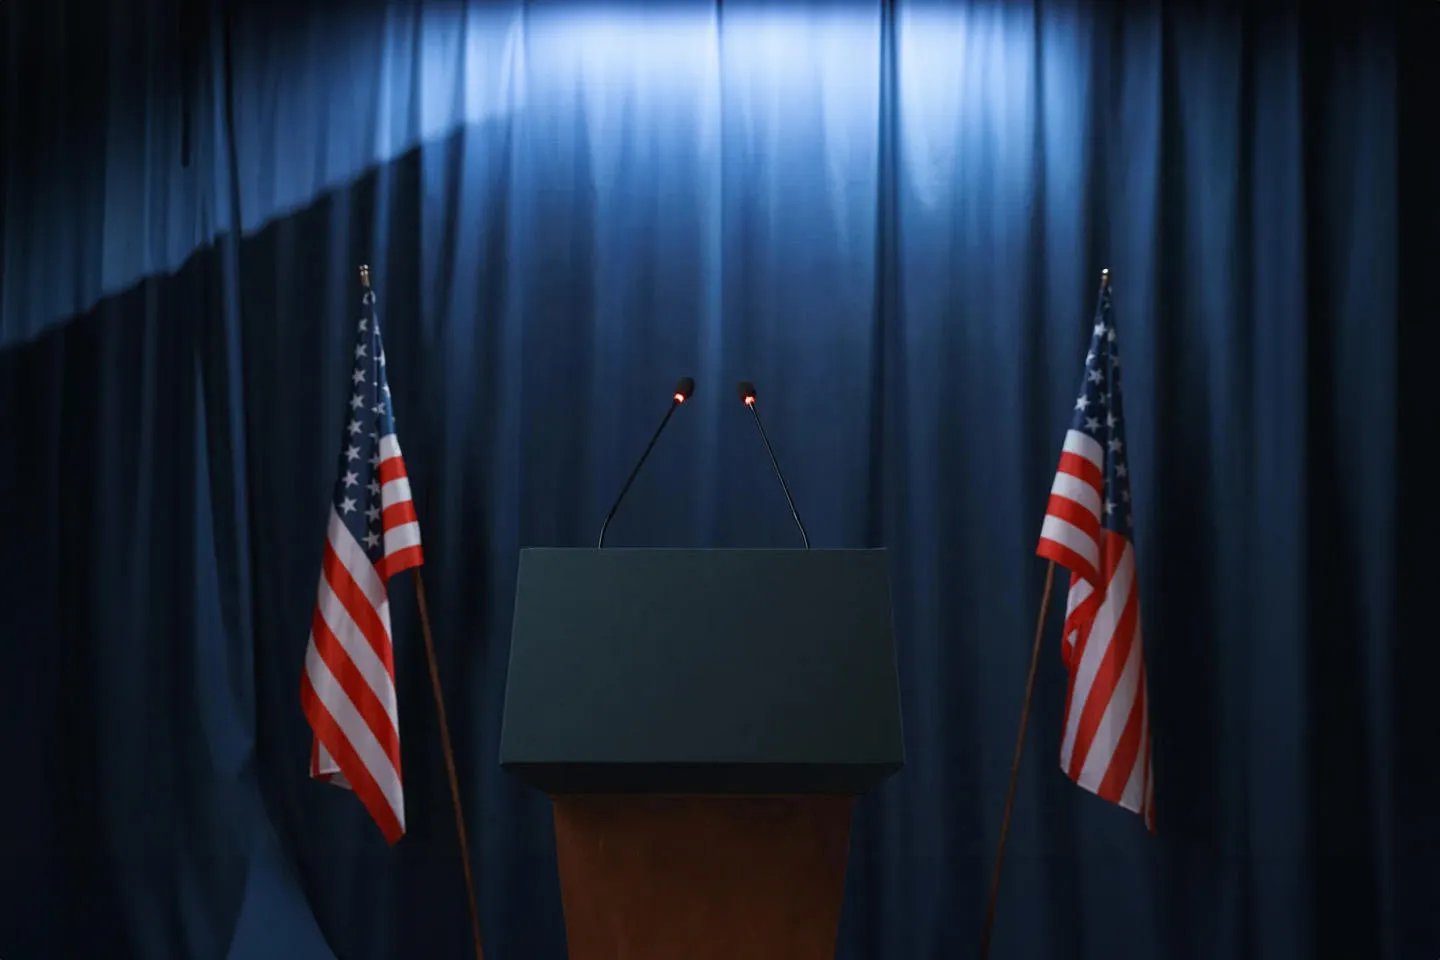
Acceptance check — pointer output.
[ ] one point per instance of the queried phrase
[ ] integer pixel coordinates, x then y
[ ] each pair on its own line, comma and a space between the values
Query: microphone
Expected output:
683, 389
747, 396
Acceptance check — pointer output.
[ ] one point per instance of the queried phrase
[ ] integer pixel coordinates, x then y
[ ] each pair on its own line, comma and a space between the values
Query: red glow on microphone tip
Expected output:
679, 398
749, 401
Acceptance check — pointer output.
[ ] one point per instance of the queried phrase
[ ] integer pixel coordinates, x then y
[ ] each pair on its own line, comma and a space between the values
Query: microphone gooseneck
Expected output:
747, 396
683, 389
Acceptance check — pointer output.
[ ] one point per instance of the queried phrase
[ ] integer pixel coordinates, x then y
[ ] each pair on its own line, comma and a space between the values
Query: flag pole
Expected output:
989, 928
444, 731
449, 764
1015, 763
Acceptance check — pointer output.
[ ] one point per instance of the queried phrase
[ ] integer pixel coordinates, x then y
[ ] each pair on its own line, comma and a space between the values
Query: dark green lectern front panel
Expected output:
702, 671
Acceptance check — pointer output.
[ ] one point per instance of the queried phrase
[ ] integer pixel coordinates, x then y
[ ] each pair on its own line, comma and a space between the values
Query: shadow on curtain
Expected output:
892, 219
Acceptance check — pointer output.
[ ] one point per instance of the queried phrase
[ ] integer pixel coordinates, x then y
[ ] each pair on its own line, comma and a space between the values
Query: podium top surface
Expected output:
713, 671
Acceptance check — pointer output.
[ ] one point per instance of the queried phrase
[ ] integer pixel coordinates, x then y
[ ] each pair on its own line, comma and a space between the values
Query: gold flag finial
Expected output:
1105, 277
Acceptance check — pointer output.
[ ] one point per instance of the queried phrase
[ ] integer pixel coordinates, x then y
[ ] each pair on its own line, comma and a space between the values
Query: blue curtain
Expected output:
891, 217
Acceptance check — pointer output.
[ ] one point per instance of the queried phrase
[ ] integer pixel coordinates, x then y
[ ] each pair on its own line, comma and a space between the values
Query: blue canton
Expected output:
368, 419
1099, 414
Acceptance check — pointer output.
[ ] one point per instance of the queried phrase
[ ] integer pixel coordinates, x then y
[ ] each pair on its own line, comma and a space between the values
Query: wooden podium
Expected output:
702, 721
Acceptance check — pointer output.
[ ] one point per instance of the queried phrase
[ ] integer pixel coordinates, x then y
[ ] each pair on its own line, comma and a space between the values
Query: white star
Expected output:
373, 514
375, 460
386, 388
379, 408
347, 505
364, 324
1081, 403
374, 487
374, 435
356, 403
1092, 423
1110, 421
1110, 334
372, 540
358, 376
1125, 495
359, 350
352, 453
1109, 508
1094, 376
1115, 444
353, 427
382, 358
1121, 469
350, 478
1100, 329
1089, 358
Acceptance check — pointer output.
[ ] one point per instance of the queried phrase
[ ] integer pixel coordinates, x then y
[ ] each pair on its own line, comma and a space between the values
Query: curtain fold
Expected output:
892, 218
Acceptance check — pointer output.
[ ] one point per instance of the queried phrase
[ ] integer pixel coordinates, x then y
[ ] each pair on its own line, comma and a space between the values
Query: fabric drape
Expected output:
892, 218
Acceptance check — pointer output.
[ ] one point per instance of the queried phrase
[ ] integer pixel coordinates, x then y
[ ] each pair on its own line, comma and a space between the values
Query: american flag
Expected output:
348, 688
1105, 746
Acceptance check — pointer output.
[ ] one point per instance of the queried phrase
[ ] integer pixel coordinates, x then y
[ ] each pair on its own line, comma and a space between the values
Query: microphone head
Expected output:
747, 392
684, 387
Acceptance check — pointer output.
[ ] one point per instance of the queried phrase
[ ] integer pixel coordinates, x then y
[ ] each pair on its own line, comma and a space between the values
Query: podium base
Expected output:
702, 877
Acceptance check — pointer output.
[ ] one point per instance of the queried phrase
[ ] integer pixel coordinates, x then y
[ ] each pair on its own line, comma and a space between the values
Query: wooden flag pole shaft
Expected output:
1020, 736
444, 730
1015, 763
449, 762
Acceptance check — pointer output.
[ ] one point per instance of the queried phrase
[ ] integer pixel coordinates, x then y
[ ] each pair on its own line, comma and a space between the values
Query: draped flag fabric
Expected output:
348, 687
1105, 744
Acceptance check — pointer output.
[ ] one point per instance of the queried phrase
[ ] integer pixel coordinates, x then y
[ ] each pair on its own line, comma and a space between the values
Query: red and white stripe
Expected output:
1105, 745
348, 686
400, 527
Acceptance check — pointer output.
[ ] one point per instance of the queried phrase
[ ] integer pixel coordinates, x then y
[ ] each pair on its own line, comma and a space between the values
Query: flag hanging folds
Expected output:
348, 687
1105, 744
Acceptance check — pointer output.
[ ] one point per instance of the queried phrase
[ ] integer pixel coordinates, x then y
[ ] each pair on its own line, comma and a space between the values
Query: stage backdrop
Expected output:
892, 219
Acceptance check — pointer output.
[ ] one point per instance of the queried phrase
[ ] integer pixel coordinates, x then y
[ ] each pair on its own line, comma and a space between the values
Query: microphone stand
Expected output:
674, 405
785, 487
